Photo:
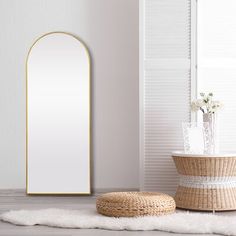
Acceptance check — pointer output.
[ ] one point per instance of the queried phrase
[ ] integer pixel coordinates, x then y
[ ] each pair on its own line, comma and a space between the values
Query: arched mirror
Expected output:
58, 116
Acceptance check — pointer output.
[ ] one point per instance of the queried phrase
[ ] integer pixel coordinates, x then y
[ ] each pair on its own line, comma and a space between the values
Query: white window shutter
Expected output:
165, 88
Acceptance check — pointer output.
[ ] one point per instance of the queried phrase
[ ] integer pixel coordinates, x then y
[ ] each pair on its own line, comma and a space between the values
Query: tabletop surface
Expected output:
183, 154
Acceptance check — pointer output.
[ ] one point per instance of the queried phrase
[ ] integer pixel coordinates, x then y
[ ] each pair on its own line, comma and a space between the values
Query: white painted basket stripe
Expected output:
207, 181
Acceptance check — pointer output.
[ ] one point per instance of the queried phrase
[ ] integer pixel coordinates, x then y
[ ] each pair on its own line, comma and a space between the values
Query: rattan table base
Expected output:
206, 199
207, 182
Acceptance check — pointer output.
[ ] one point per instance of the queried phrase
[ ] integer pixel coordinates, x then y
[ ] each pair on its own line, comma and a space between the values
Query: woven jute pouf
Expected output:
131, 204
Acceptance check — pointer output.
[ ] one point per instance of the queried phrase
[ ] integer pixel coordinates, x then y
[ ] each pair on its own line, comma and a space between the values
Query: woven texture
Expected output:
131, 204
220, 196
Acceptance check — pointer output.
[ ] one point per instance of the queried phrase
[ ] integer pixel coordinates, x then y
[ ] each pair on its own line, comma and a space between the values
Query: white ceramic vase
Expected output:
212, 119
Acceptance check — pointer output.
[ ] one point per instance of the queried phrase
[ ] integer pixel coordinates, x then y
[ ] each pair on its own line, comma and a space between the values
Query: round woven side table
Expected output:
207, 182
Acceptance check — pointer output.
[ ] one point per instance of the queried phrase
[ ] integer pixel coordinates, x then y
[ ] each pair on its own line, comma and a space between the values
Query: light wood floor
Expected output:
17, 200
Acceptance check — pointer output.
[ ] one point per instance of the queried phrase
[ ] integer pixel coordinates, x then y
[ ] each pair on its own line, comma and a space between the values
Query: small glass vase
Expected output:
196, 137
212, 119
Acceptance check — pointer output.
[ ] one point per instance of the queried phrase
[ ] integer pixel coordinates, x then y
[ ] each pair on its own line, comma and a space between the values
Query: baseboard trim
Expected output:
95, 191
12, 192
98, 191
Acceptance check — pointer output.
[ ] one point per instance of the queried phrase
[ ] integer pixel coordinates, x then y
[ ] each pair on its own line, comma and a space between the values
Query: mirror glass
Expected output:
58, 116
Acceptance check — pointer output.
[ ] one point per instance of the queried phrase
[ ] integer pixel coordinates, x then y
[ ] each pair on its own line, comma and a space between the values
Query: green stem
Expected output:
202, 110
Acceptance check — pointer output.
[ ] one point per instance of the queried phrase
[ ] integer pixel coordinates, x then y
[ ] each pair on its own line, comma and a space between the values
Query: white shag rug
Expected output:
197, 223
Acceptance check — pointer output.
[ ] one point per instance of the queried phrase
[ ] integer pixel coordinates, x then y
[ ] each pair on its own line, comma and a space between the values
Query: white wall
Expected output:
110, 30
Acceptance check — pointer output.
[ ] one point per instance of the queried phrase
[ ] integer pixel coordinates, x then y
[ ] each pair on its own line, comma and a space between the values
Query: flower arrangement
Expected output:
206, 104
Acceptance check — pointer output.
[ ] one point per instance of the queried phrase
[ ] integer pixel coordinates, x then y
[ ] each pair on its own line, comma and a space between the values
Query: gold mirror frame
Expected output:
90, 130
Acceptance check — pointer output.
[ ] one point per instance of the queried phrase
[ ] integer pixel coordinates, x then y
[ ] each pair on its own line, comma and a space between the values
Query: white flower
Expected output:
194, 107
215, 106
197, 104
200, 102
206, 104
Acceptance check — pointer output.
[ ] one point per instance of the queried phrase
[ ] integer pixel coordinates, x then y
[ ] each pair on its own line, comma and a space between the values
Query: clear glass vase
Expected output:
196, 137
212, 119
